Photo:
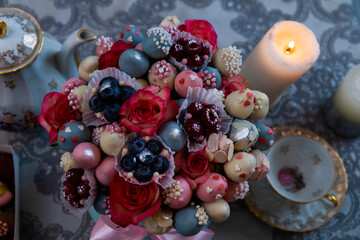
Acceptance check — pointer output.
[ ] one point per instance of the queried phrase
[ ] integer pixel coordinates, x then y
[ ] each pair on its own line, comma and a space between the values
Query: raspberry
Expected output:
69, 191
210, 116
215, 129
177, 51
73, 175
193, 127
75, 203
195, 108
195, 61
193, 47
83, 189
205, 50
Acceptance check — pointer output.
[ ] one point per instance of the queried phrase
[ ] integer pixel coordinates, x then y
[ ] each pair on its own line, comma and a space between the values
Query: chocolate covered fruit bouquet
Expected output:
154, 129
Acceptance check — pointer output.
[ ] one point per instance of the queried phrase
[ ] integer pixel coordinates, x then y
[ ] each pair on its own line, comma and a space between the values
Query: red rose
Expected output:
147, 110
55, 112
111, 58
194, 164
201, 29
234, 83
131, 203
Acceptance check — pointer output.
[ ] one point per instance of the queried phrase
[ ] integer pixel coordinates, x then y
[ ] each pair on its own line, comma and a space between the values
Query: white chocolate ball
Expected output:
228, 61
261, 107
112, 143
240, 104
88, 66
170, 21
162, 74
80, 91
142, 82
240, 167
218, 211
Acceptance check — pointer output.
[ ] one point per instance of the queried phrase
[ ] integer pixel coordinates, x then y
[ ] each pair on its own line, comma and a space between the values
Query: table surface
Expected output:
237, 22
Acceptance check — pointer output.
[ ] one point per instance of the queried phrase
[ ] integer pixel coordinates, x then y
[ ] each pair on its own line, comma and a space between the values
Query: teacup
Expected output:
301, 170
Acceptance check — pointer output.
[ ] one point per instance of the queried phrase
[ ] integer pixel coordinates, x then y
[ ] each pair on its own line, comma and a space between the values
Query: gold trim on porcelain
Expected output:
311, 135
94, 35
3, 29
340, 179
32, 56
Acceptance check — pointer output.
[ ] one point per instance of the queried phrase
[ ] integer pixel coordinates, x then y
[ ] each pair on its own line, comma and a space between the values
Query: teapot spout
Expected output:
65, 59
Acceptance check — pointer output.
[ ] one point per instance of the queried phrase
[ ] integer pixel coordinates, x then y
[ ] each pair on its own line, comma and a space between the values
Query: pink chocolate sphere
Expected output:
70, 84
187, 79
237, 190
86, 155
184, 190
106, 171
214, 188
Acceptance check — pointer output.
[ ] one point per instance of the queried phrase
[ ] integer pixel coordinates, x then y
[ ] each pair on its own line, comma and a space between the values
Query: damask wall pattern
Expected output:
336, 24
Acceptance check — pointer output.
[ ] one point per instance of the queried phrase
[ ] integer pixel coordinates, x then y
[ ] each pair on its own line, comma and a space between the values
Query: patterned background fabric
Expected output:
336, 24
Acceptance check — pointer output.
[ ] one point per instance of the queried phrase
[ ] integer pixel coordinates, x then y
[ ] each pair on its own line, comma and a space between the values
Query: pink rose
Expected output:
131, 203
234, 83
201, 29
147, 110
55, 112
111, 58
286, 176
195, 166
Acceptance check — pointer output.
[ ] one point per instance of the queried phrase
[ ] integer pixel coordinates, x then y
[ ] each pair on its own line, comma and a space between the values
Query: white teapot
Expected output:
32, 63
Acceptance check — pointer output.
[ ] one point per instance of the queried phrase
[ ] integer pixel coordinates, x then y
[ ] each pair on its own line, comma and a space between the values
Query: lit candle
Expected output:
283, 55
342, 113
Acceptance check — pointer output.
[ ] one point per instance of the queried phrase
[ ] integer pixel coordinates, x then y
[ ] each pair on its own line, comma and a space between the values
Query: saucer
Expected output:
301, 169
286, 215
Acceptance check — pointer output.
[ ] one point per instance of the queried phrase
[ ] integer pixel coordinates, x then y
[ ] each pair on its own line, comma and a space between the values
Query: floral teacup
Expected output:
301, 170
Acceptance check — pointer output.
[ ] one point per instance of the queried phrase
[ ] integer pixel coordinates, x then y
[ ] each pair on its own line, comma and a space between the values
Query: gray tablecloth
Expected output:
237, 22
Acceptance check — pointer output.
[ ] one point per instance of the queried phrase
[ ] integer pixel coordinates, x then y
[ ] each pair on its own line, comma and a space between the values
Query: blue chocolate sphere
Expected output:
172, 135
186, 223
157, 43
99, 202
266, 137
134, 62
71, 134
213, 71
132, 35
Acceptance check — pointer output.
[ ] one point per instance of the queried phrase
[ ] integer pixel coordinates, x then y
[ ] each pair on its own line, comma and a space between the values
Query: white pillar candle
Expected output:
283, 55
347, 96
342, 114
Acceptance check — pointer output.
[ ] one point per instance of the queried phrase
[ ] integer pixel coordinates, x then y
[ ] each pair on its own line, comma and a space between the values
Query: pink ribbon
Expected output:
106, 229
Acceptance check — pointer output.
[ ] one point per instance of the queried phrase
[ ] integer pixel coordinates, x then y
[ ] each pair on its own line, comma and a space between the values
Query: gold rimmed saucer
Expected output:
286, 215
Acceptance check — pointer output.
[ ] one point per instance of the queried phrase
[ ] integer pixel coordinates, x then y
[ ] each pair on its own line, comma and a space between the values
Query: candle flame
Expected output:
290, 48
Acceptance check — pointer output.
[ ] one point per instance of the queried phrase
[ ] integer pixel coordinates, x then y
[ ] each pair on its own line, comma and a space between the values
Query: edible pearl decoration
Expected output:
209, 79
201, 215
165, 41
174, 191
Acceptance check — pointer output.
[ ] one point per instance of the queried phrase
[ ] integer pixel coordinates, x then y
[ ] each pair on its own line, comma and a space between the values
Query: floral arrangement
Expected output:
154, 130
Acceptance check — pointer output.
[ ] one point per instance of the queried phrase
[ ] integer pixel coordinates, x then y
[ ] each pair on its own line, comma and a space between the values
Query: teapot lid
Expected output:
21, 39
